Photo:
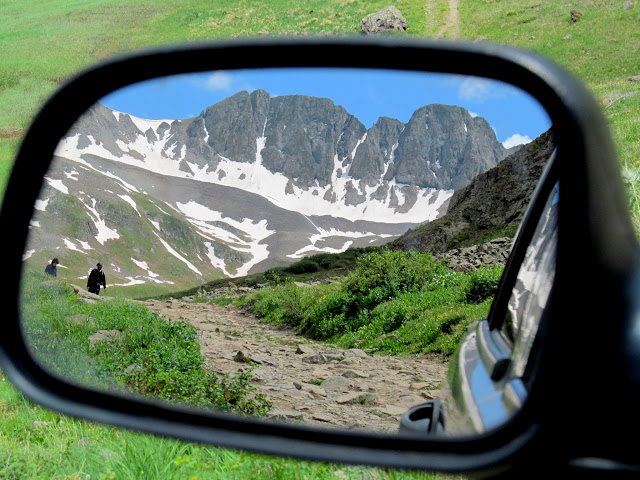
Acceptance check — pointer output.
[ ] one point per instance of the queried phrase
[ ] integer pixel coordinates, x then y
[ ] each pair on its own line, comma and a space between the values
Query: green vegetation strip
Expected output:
38, 444
139, 351
393, 302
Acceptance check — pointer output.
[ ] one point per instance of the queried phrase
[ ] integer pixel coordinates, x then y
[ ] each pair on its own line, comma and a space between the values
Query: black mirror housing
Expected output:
597, 251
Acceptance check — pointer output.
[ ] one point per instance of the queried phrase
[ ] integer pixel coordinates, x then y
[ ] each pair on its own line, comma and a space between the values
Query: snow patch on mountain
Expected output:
256, 178
170, 249
104, 232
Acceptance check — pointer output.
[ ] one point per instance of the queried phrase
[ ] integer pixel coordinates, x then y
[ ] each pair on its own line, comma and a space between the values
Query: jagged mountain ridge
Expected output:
252, 182
305, 153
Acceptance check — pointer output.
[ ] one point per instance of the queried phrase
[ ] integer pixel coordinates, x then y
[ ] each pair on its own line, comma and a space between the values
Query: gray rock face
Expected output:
441, 147
496, 198
444, 147
387, 19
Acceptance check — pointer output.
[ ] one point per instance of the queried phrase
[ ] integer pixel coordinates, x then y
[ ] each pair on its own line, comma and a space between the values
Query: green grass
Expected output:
150, 355
602, 50
394, 302
36, 443
46, 42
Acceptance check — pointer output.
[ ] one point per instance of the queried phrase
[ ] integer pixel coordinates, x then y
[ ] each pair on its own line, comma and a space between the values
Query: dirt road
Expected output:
309, 381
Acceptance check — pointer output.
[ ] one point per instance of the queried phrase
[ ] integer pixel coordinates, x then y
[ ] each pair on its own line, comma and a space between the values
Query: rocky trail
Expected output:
306, 381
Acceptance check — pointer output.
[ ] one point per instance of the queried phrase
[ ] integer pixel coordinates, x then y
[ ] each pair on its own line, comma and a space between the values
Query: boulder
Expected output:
104, 336
385, 20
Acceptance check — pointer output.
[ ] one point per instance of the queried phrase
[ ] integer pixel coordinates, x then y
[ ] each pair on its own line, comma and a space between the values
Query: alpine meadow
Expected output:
381, 298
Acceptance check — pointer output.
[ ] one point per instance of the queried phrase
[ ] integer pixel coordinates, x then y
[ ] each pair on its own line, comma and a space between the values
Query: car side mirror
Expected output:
76, 136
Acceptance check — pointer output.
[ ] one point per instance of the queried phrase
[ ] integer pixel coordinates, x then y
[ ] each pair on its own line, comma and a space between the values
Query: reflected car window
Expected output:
533, 285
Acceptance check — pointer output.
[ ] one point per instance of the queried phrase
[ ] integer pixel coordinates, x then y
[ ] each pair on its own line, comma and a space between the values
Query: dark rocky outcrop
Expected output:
494, 201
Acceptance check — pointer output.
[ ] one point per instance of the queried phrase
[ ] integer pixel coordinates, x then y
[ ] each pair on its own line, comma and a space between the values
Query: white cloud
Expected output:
219, 81
473, 114
476, 89
516, 139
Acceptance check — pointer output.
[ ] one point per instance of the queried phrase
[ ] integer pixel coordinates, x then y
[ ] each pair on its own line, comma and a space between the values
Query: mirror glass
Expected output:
302, 245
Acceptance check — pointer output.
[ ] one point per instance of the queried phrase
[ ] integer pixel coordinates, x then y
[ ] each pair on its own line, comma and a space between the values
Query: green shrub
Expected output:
484, 283
303, 266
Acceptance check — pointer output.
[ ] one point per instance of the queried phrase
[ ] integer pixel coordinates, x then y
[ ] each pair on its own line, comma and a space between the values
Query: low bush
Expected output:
397, 302
483, 283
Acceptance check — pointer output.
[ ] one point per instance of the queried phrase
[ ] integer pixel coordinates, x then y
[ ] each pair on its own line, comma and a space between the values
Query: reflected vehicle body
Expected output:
495, 361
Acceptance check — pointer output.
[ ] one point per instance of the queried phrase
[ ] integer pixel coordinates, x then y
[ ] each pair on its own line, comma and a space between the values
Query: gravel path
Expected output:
307, 381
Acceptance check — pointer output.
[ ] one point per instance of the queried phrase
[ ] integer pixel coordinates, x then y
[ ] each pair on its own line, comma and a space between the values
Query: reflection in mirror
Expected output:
305, 245
533, 286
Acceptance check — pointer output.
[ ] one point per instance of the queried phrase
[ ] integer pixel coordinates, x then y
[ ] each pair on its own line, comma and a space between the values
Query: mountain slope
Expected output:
494, 201
251, 183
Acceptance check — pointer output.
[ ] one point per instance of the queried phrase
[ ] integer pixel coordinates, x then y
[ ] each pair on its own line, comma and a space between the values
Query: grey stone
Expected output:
104, 336
358, 353
355, 374
364, 398
305, 350
322, 418
82, 320
132, 368
628, 6
322, 358
337, 383
387, 19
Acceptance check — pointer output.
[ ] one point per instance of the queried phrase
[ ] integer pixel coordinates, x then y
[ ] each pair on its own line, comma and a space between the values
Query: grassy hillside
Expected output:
46, 42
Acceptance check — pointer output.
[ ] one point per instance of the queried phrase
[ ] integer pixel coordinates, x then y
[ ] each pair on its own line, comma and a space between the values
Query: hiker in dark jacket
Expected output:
96, 278
52, 268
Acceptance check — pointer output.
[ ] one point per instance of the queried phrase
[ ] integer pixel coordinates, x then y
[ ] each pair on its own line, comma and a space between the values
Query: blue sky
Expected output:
366, 94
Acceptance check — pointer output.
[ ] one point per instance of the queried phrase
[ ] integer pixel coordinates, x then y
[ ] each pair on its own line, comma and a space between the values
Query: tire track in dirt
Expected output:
452, 24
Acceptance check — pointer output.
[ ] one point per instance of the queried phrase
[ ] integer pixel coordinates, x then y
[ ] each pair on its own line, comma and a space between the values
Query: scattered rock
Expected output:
337, 383
392, 410
420, 385
387, 19
132, 368
38, 424
358, 353
83, 442
364, 398
355, 374
322, 358
241, 357
82, 320
322, 418
104, 335
314, 390
635, 78
305, 350
567, 37
410, 400
86, 300
285, 415
427, 395
628, 6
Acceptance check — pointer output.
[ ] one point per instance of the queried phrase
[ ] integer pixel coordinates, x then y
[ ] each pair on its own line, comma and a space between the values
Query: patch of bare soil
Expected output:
307, 381
452, 25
